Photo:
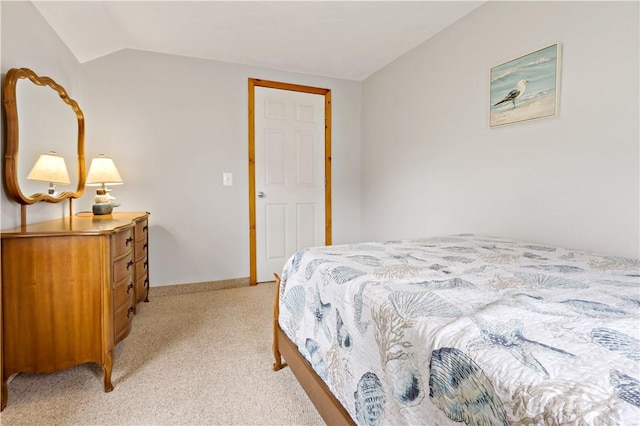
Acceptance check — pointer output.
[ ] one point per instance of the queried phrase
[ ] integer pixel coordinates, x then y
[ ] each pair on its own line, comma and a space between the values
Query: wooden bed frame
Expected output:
331, 410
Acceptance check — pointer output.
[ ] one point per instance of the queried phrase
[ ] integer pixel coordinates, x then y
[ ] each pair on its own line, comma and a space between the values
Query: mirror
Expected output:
41, 118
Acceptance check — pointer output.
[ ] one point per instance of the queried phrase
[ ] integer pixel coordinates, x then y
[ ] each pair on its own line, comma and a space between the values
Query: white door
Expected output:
289, 173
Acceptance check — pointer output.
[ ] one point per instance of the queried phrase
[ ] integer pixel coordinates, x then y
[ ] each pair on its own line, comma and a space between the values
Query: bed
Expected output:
462, 329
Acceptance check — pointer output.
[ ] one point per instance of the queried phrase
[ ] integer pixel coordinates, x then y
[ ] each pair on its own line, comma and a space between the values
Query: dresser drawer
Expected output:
142, 279
123, 293
141, 230
122, 322
141, 268
141, 249
123, 268
122, 242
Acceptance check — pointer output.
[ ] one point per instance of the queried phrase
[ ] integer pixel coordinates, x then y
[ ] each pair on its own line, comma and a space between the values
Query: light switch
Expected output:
227, 179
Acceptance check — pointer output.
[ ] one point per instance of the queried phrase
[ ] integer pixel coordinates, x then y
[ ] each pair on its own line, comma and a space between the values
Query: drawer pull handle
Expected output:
146, 282
129, 264
146, 264
129, 312
145, 246
129, 287
144, 228
128, 241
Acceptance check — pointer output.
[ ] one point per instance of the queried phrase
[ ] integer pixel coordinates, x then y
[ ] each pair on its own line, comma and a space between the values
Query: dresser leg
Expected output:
107, 368
5, 394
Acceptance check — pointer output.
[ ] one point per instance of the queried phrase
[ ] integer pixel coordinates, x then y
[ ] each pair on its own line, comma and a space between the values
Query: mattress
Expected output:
468, 329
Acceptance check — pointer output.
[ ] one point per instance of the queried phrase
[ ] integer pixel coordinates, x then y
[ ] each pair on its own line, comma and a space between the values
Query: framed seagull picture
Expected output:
525, 88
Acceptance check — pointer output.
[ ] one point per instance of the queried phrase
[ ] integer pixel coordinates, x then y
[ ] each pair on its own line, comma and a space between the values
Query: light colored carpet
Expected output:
191, 359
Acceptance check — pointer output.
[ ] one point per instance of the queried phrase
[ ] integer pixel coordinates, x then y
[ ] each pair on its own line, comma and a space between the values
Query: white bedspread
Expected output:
469, 329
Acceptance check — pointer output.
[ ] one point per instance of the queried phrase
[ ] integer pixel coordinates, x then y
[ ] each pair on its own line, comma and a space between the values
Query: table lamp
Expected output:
50, 168
103, 171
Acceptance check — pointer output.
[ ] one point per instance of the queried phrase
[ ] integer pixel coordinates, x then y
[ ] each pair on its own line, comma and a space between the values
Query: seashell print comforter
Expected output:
469, 329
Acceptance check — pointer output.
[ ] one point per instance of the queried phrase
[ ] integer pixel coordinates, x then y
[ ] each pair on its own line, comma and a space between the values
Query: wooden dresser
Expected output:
70, 288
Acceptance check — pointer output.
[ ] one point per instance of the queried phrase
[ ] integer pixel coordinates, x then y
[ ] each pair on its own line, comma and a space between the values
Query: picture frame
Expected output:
525, 88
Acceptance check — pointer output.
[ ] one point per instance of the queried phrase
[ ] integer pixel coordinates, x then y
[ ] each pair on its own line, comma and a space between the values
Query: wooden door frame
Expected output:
253, 82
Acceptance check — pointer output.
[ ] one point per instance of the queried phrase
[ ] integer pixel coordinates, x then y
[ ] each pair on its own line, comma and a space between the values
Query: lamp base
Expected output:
102, 208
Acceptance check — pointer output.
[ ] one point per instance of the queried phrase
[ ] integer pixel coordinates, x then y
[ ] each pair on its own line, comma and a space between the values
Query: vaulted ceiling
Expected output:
341, 39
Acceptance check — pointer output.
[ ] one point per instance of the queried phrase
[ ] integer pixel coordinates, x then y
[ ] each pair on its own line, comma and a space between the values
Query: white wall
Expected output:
173, 125
432, 166
28, 41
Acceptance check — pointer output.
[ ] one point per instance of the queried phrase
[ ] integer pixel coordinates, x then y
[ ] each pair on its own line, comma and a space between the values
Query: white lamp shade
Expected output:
50, 168
103, 170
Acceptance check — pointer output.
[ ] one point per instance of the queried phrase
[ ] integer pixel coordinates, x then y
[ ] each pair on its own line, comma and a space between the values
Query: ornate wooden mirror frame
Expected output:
12, 174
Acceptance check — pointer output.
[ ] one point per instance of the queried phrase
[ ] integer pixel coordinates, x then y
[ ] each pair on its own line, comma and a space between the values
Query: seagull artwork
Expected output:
515, 93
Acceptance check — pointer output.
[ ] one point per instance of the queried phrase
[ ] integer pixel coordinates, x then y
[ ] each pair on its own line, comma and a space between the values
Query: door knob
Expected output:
261, 194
